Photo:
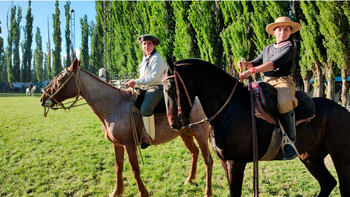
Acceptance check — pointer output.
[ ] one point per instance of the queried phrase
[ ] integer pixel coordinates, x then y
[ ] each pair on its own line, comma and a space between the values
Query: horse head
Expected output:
177, 103
62, 87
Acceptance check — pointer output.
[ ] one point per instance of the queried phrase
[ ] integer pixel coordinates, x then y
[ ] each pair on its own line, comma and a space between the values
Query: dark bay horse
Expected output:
113, 108
231, 136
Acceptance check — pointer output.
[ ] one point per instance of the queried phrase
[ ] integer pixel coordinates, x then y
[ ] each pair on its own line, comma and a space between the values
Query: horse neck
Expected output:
215, 92
102, 97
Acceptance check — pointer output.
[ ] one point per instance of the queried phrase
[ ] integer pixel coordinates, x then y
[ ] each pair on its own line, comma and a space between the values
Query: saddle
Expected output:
265, 107
265, 104
160, 110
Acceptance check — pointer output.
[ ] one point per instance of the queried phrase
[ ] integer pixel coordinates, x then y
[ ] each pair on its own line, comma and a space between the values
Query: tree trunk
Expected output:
330, 82
307, 84
319, 81
344, 89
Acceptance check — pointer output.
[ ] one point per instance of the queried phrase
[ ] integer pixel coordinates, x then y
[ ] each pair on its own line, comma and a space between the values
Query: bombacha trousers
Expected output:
151, 100
285, 86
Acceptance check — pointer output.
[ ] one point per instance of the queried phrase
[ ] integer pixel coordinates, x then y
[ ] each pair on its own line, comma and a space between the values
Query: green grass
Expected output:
66, 154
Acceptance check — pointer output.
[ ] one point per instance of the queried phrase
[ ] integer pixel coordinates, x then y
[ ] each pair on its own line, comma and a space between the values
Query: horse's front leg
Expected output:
234, 172
119, 161
187, 139
208, 160
131, 150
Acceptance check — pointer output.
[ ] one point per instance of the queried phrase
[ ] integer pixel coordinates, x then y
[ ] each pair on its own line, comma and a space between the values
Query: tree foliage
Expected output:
38, 54
56, 53
84, 50
67, 33
27, 52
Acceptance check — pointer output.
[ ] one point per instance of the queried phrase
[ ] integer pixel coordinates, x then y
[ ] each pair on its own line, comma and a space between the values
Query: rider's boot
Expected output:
289, 119
148, 122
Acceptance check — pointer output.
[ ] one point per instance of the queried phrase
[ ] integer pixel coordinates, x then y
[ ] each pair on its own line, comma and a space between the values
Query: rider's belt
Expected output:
283, 78
147, 87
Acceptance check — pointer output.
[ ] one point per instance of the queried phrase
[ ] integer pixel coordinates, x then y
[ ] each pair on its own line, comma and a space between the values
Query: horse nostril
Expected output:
173, 127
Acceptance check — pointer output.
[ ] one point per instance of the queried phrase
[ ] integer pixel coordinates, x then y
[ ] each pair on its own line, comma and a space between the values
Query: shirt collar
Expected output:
281, 44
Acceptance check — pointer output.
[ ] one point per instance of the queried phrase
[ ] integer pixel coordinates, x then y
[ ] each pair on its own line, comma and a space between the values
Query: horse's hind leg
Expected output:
315, 164
187, 139
341, 164
119, 160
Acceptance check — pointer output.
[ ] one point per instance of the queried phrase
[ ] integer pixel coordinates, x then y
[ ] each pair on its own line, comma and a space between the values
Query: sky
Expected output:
42, 11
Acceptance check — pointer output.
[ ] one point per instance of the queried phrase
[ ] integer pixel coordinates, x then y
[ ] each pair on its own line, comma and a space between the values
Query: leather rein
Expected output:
193, 125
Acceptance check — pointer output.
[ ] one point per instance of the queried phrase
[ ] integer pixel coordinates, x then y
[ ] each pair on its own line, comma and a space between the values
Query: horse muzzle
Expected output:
45, 102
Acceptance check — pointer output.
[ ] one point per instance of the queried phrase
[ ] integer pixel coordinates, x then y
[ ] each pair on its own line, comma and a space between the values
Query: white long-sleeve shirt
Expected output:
154, 72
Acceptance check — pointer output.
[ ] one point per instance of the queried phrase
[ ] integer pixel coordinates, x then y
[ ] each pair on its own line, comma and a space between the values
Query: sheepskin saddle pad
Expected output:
266, 98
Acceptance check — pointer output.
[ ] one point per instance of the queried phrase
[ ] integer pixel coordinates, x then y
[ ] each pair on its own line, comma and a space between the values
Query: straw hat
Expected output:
142, 38
282, 21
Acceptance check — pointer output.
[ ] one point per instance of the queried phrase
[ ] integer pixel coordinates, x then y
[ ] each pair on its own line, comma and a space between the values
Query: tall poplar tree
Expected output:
49, 57
162, 26
45, 64
67, 32
16, 35
96, 48
185, 45
9, 65
237, 35
56, 53
38, 56
312, 52
2, 59
28, 38
84, 50
331, 20
206, 18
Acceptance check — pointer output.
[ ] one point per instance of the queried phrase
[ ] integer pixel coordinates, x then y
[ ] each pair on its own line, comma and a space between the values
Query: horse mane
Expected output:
202, 64
125, 93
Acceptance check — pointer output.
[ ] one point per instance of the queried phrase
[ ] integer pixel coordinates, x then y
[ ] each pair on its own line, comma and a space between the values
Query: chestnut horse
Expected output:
113, 108
231, 136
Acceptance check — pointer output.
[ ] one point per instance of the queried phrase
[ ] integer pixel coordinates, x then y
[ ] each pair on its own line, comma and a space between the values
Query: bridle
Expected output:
48, 102
182, 118
179, 108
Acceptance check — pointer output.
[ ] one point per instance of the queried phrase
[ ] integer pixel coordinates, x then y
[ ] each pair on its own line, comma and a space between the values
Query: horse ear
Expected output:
169, 62
74, 65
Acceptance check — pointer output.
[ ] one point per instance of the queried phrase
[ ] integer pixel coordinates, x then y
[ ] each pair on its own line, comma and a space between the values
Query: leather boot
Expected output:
148, 122
289, 120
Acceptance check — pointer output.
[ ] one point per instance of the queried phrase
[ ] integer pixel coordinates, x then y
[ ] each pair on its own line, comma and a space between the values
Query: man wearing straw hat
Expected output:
276, 62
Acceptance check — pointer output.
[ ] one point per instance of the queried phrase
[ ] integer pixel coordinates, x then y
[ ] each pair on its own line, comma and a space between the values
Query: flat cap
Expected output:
144, 37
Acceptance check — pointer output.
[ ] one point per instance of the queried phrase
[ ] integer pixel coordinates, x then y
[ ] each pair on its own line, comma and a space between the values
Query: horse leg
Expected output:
208, 162
134, 163
187, 139
119, 161
234, 173
315, 164
341, 164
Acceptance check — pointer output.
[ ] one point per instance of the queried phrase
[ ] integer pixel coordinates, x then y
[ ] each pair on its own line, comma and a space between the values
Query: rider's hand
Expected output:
245, 74
241, 64
131, 83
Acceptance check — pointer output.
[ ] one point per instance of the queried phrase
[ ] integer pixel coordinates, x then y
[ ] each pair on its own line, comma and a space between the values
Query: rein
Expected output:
193, 125
48, 102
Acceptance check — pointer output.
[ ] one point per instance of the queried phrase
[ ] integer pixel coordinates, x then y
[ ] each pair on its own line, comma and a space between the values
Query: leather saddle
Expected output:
265, 107
160, 109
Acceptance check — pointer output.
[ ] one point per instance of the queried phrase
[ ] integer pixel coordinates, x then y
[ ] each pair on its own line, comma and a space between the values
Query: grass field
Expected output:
66, 154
